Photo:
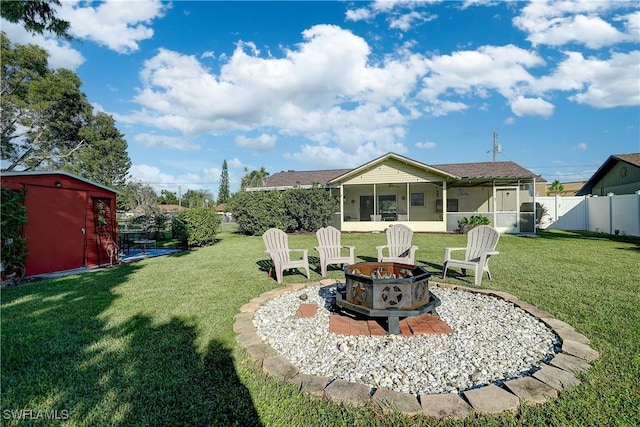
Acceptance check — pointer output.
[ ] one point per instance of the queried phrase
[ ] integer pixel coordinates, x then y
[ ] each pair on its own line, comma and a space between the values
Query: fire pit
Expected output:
387, 289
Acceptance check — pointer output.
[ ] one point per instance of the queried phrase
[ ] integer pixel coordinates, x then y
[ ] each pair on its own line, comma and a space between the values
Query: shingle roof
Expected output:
487, 170
468, 171
302, 178
632, 158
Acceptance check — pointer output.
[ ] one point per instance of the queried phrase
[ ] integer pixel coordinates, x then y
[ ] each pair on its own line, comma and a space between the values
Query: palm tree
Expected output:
555, 188
253, 178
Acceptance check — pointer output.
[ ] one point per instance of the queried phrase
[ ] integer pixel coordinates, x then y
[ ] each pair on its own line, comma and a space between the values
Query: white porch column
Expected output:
535, 211
495, 204
444, 205
408, 199
342, 201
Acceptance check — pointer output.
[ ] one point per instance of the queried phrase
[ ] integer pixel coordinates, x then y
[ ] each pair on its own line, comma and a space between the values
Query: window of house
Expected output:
452, 205
387, 204
417, 199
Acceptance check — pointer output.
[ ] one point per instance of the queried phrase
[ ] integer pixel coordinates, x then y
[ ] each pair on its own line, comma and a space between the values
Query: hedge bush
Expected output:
290, 210
196, 227
467, 223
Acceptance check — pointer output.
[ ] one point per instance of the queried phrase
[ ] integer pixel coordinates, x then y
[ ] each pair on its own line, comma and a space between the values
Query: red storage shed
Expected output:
71, 221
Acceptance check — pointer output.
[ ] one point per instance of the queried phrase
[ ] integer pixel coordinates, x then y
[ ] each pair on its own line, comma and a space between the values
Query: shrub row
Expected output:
289, 210
196, 227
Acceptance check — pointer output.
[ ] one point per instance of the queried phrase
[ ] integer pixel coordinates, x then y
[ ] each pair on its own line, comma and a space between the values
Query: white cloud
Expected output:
263, 142
359, 14
522, 106
581, 146
426, 145
61, 54
324, 90
178, 143
556, 23
118, 25
499, 68
510, 121
323, 157
402, 13
439, 108
151, 175
601, 83
406, 21
235, 163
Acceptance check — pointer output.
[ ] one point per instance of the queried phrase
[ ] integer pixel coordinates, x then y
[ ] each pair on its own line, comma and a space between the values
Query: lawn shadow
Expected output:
265, 265
433, 268
589, 235
62, 352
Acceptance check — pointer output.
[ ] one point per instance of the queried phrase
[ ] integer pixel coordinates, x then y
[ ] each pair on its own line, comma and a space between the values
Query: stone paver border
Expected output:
544, 384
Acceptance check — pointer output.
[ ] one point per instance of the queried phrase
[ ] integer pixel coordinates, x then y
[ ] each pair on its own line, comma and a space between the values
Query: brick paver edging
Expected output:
544, 384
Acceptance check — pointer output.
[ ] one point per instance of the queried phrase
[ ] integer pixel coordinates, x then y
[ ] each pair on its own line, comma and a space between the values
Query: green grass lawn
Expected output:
151, 343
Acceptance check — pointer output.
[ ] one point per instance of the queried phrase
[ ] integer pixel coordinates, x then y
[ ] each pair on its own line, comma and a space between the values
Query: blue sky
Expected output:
325, 84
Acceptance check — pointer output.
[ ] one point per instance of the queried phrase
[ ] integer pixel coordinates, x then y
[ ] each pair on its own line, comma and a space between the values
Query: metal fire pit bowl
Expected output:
387, 289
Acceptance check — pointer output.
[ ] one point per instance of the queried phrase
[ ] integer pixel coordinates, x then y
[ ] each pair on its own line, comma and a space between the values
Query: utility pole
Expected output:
497, 148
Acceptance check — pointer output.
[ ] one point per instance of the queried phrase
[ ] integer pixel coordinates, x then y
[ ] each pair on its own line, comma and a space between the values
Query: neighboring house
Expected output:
71, 221
171, 209
167, 209
620, 174
429, 198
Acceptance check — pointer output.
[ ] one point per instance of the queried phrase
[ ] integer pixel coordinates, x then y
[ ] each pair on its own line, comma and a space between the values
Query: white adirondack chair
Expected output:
398, 247
331, 250
277, 243
481, 244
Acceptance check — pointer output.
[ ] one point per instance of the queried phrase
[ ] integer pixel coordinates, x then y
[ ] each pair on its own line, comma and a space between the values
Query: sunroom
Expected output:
394, 189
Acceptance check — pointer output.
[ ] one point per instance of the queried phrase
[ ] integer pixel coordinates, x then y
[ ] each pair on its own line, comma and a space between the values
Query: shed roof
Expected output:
57, 172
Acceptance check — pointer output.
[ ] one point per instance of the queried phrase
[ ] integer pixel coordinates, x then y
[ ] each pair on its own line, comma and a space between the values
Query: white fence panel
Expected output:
600, 214
564, 213
625, 214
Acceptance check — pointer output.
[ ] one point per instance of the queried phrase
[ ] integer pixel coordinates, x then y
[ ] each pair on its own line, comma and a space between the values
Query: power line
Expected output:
560, 166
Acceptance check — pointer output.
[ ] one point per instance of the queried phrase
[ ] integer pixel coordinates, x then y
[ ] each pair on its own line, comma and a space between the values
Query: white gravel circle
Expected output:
493, 340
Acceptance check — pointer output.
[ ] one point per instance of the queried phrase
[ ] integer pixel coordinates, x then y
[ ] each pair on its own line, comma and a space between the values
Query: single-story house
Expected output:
428, 198
71, 221
619, 174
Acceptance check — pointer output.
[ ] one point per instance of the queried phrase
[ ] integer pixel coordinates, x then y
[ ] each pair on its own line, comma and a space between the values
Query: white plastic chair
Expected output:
481, 245
398, 247
331, 250
277, 243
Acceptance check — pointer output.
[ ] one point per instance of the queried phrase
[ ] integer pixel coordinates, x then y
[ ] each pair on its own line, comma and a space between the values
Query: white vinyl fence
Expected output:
604, 214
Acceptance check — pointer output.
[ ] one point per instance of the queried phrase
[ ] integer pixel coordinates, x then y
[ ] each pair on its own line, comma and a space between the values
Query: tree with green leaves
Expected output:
103, 158
138, 195
48, 123
253, 178
36, 16
555, 188
223, 189
42, 110
197, 199
168, 198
